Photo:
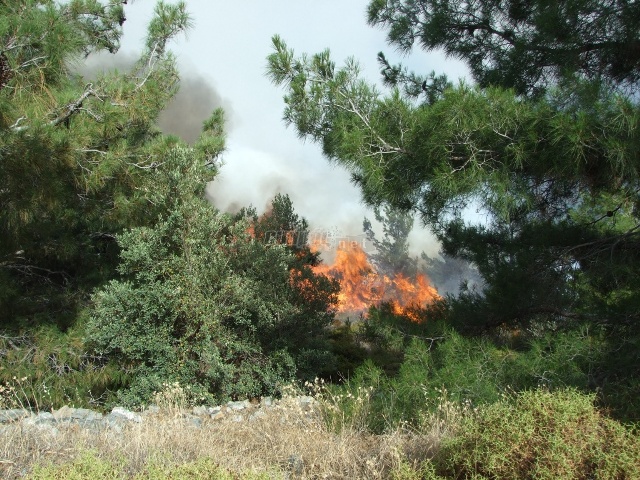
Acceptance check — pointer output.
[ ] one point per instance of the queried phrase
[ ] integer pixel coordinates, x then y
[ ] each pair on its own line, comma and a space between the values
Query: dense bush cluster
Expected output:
204, 303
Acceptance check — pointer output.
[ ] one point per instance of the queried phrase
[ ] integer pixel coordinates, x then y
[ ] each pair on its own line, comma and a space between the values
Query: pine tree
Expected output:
519, 44
392, 251
556, 173
79, 159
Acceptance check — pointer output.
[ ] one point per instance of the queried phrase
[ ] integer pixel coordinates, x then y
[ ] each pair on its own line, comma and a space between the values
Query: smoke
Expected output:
188, 109
319, 193
193, 104
256, 168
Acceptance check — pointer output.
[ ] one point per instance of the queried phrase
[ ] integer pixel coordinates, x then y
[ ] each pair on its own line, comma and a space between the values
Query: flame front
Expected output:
362, 286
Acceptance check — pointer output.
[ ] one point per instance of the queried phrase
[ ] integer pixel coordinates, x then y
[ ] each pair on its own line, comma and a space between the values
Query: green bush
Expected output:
196, 295
87, 465
472, 371
203, 303
46, 368
540, 435
90, 466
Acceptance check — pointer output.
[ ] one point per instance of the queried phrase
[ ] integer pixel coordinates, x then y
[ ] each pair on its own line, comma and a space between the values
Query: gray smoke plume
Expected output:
195, 101
256, 169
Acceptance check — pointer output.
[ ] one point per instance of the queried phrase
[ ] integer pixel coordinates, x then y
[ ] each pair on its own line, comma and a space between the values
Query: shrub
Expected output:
471, 372
46, 368
201, 302
542, 435
90, 466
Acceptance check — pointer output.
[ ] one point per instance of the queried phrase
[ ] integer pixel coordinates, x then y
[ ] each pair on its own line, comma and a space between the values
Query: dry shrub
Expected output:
529, 435
284, 441
540, 435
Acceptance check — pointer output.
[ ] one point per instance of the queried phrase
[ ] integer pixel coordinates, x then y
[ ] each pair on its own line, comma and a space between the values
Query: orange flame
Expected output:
362, 286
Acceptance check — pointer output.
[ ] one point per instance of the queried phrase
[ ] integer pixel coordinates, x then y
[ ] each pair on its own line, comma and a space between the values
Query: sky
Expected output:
222, 61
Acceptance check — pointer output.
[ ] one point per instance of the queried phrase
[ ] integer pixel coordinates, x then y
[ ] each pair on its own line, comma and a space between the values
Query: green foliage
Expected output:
81, 162
87, 465
535, 434
78, 158
451, 275
45, 369
424, 471
544, 148
91, 465
392, 252
348, 352
315, 296
543, 435
203, 303
436, 363
389, 335
525, 45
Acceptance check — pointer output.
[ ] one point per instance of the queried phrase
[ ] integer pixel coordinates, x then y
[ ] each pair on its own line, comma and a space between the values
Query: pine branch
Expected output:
68, 112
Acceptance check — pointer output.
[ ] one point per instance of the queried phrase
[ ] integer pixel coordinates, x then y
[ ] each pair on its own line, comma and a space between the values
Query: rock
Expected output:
126, 414
42, 418
194, 421
241, 405
115, 422
217, 416
77, 415
119, 418
295, 464
201, 411
305, 402
13, 415
86, 415
43, 421
256, 415
152, 410
62, 412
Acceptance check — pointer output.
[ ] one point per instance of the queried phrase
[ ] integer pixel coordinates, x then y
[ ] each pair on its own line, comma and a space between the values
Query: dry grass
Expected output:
285, 442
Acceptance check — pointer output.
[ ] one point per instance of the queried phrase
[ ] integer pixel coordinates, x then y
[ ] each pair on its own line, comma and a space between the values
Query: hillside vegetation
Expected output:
118, 278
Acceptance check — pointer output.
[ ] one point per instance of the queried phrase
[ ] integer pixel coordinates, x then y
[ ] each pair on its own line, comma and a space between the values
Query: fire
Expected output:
362, 286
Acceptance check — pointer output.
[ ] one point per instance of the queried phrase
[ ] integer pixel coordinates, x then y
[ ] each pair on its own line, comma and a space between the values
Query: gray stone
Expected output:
42, 418
194, 421
94, 426
63, 413
295, 464
126, 414
217, 416
200, 411
119, 418
115, 422
77, 415
305, 403
256, 415
241, 405
86, 415
13, 415
43, 421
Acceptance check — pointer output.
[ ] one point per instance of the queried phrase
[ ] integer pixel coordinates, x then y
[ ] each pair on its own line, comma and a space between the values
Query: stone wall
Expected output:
119, 417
